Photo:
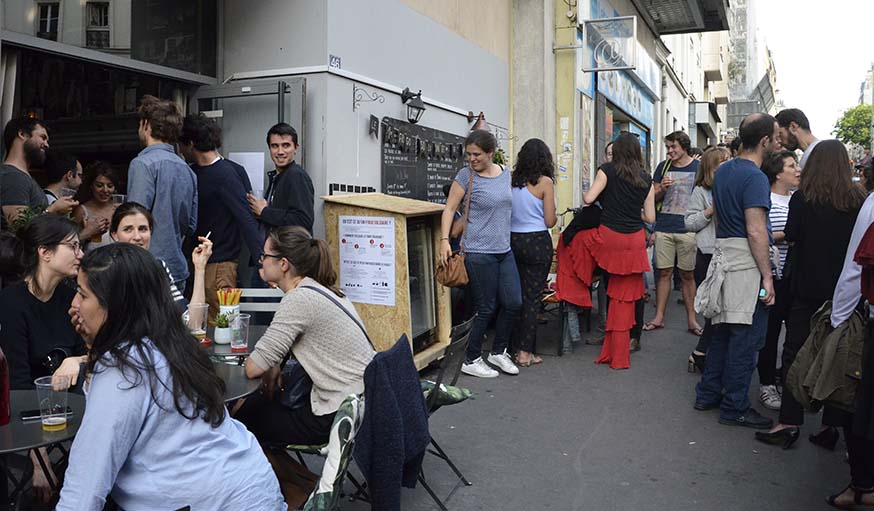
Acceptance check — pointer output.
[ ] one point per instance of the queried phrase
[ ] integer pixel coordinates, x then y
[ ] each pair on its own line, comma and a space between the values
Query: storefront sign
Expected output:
610, 44
626, 94
367, 259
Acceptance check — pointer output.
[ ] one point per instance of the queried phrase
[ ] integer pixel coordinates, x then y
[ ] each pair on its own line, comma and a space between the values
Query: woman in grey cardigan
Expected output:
699, 219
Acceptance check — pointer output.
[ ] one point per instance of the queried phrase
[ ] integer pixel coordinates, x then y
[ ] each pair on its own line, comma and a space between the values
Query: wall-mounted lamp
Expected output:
415, 105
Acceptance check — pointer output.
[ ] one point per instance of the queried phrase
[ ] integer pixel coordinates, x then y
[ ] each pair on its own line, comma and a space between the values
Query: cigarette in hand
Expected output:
207, 235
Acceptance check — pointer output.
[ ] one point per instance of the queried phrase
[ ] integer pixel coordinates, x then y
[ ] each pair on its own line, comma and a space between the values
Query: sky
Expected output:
821, 52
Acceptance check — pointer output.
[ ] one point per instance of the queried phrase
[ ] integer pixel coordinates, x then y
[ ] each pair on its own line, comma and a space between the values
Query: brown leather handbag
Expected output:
453, 273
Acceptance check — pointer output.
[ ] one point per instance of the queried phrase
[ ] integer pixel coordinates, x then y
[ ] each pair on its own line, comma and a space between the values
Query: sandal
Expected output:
857, 498
649, 327
536, 360
524, 364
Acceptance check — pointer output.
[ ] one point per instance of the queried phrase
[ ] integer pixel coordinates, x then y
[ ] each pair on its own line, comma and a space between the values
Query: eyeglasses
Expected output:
263, 255
74, 245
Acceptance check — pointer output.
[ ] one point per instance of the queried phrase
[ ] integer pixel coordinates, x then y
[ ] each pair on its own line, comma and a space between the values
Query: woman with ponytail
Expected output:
319, 327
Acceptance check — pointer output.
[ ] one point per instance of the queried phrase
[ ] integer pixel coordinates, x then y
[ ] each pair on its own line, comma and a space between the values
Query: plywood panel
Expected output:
386, 203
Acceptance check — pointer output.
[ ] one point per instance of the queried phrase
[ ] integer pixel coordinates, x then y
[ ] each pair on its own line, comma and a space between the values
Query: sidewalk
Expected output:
572, 435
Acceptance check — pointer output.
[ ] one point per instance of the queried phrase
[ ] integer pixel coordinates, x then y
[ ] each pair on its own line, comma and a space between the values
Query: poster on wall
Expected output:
367, 259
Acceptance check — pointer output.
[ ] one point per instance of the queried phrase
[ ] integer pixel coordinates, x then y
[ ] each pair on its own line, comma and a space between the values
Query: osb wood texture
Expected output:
385, 203
384, 324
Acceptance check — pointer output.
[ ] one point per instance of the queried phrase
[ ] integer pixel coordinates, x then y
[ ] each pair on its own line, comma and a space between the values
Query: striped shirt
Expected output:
174, 291
491, 207
777, 214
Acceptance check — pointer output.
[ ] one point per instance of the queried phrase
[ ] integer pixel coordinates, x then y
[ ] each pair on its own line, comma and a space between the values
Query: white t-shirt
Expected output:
806, 154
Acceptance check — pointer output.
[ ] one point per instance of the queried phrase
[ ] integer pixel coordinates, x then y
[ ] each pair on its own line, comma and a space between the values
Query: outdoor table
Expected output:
223, 351
237, 385
20, 436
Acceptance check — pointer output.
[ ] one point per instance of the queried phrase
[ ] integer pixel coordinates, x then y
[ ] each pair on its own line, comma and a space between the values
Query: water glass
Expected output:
259, 194
67, 192
52, 402
240, 340
118, 198
196, 318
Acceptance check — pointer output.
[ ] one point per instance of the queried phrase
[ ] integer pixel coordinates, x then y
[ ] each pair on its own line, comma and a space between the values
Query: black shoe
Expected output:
635, 345
703, 407
785, 437
827, 438
749, 419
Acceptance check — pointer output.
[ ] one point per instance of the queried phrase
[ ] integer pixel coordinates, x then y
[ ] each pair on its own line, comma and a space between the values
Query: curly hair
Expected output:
533, 161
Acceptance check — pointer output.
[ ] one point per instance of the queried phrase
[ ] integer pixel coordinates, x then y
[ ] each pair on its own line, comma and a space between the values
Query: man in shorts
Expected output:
673, 180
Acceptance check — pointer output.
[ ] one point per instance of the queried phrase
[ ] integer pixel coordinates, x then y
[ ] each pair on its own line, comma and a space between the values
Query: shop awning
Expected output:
666, 17
35, 43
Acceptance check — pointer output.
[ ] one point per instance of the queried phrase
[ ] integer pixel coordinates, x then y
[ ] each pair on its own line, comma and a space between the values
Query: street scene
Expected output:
435, 254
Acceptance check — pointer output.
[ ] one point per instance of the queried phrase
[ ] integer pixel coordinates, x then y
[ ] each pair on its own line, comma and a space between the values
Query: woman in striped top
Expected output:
785, 175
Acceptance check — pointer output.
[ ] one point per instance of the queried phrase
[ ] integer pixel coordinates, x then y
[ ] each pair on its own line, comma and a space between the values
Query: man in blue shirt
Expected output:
673, 180
741, 199
222, 207
162, 182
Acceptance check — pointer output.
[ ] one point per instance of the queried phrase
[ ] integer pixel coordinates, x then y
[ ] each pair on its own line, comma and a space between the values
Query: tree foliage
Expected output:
854, 127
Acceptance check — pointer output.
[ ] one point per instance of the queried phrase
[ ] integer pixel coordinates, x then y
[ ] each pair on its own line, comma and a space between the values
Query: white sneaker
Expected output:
770, 397
479, 369
503, 362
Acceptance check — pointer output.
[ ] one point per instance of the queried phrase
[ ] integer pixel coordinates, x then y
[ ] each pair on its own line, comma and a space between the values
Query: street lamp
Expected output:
415, 105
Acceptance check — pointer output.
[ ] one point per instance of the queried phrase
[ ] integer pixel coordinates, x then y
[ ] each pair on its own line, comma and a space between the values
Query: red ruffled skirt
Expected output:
623, 256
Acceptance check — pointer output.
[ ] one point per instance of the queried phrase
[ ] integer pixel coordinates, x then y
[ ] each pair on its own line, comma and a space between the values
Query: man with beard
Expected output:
163, 183
26, 141
795, 133
739, 282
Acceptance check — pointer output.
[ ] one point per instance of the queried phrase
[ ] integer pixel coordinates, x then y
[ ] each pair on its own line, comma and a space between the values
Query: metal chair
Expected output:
450, 369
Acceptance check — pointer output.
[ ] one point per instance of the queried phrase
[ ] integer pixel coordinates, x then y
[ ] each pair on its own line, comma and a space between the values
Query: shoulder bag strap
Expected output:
468, 193
338, 304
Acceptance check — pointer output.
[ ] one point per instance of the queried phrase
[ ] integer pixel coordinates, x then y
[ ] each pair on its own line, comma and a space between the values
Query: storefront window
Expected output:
180, 34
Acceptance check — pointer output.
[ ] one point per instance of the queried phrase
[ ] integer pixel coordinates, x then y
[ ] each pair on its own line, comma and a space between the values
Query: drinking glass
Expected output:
67, 192
118, 198
197, 319
52, 402
240, 339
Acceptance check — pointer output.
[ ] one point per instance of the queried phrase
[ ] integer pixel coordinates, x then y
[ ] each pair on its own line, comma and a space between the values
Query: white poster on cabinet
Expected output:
367, 259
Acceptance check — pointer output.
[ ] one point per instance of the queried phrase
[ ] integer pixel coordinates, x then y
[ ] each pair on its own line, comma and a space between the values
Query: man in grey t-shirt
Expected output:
795, 133
26, 141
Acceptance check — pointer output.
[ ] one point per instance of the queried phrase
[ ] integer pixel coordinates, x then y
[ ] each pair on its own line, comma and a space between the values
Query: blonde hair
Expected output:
710, 161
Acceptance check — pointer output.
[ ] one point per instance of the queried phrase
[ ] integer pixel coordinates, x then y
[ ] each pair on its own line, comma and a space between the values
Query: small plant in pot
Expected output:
223, 331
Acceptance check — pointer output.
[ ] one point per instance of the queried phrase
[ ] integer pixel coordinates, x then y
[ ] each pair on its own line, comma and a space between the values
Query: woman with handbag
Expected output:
318, 326
618, 245
533, 216
821, 214
485, 256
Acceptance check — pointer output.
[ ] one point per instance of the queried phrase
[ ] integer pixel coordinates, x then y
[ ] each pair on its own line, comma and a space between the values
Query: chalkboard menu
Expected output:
417, 161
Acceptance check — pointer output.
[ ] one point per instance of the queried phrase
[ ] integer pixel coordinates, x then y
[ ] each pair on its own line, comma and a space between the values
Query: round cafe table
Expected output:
237, 385
18, 436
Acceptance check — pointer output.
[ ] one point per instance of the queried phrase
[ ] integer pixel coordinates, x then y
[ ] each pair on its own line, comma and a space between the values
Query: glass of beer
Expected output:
52, 402
197, 320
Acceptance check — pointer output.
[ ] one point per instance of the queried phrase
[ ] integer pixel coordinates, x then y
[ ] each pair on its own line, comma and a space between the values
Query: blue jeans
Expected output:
731, 360
494, 280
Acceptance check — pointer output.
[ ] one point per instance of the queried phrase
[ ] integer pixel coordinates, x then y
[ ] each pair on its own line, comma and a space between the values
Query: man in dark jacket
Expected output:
289, 197
222, 206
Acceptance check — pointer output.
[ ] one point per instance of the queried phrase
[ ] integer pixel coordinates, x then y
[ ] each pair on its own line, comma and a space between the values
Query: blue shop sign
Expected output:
626, 94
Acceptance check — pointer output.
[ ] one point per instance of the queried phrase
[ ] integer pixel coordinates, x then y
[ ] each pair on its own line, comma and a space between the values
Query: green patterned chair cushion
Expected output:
338, 454
447, 394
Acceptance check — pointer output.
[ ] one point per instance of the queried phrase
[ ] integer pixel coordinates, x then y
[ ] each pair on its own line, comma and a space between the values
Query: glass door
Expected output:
420, 251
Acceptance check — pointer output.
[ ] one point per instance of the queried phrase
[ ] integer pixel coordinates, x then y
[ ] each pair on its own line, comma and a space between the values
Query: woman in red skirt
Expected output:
618, 245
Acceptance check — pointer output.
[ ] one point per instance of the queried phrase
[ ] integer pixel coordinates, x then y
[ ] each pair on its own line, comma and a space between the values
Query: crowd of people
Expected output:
740, 228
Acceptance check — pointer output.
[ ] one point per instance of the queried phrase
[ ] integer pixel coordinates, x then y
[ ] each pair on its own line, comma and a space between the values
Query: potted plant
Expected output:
223, 331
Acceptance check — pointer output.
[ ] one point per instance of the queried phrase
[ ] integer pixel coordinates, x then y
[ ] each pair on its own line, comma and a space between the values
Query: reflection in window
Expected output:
97, 33
47, 27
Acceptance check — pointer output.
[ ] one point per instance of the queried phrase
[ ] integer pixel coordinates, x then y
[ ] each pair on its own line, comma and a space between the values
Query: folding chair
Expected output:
439, 394
337, 453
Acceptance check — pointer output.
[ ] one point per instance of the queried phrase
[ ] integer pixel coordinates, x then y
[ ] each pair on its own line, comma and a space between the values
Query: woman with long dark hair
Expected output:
96, 206
821, 217
699, 219
533, 215
155, 434
316, 324
618, 246
489, 261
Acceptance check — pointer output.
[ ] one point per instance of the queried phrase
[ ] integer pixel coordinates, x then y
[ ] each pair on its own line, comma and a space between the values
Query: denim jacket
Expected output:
159, 180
